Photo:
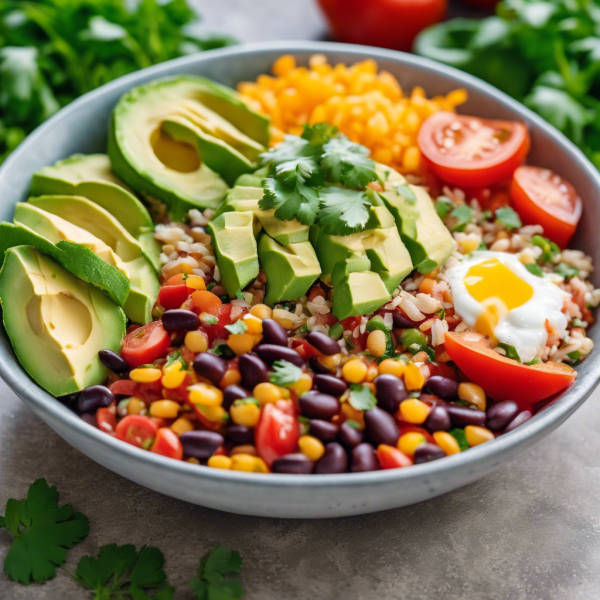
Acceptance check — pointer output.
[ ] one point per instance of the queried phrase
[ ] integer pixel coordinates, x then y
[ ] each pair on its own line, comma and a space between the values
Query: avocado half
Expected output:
56, 322
184, 140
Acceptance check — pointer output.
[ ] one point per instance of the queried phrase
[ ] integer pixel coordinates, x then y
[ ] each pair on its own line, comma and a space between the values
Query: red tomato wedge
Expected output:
106, 418
391, 458
542, 197
145, 344
137, 430
503, 378
167, 443
173, 296
472, 152
277, 432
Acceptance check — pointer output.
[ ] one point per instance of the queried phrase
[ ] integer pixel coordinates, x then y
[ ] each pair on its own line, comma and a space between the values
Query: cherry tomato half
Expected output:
167, 443
277, 432
391, 458
503, 378
106, 418
136, 430
173, 296
145, 344
472, 152
542, 197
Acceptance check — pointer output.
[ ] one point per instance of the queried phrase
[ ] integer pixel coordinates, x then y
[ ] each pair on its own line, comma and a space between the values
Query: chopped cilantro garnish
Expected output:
463, 215
238, 327
535, 361
565, 270
535, 269
482, 246
175, 357
443, 206
361, 397
508, 217
249, 400
343, 211
549, 248
284, 373
429, 351
223, 350
42, 532
302, 329
405, 190
214, 580
239, 295
347, 163
578, 323
461, 438
486, 215
211, 285
208, 319
440, 313
511, 352
349, 343
353, 424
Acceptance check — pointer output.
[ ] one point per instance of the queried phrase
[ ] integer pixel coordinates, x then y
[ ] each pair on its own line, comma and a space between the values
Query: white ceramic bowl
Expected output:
82, 127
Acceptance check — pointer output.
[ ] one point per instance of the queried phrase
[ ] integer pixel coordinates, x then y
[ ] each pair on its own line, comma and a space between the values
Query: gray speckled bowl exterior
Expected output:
82, 127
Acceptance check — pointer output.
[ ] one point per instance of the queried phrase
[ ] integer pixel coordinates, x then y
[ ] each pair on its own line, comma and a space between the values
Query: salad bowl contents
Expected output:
316, 274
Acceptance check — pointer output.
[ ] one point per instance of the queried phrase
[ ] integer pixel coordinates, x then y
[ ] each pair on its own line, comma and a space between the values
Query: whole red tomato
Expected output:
385, 23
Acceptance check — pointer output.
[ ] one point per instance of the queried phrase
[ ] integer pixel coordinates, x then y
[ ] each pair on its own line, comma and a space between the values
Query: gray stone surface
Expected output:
529, 531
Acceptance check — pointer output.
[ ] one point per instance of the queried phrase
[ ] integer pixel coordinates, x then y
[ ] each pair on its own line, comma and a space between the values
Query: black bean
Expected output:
323, 430
94, 397
293, 464
519, 420
364, 459
271, 352
499, 415
232, 393
111, 360
335, 460
328, 384
462, 416
317, 367
178, 319
390, 391
211, 366
323, 343
402, 321
438, 420
427, 452
381, 427
240, 434
315, 405
200, 444
349, 436
274, 333
253, 370
444, 387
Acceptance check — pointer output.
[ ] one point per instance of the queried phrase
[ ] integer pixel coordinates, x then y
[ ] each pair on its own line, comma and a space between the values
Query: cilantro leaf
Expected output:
346, 162
285, 373
429, 351
361, 397
214, 581
405, 190
122, 572
297, 201
565, 270
460, 436
292, 148
443, 206
176, 356
440, 313
511, 351
238, 327
343, 211
463, 214
239, 295
307, 168
42, 532
508, 217
319, 133
535, 269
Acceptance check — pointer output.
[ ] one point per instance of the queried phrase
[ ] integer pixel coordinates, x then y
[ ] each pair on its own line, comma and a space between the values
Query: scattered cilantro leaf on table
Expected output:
284, 373
361, 397
346, 162
343, 211
508, 217
214, 580
42, 532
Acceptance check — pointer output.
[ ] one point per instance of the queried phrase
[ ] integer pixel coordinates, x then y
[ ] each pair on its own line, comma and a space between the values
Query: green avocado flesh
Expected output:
90, 176
169, 139
56, 323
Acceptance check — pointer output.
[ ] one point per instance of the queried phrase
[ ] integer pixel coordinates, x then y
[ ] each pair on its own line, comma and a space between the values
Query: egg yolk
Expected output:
498, 289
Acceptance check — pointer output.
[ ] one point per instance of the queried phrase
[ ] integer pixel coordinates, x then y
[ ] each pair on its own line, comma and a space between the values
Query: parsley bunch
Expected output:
319, 177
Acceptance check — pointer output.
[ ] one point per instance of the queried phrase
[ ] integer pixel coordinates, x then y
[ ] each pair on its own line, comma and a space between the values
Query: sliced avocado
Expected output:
90, 176
236, 250
56, 323
77, 259
169, 139
389, 256
359, 293
290, 270
144, 283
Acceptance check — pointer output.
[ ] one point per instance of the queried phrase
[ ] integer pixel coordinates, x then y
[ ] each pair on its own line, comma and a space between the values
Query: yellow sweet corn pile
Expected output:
366, 104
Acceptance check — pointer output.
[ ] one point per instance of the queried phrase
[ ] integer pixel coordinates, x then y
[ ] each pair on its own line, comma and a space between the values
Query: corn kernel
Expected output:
260, 466
182, 425
266, 393
174, 376
446, 442
477, 435
231, 377
283, 65
413, 379
196, 341
262, 311
330, 362
473, 394
414, 411
253, 324
220, 462
467, 246
164, 409
145, 375
410, 441
195, 282
304, 384
244, 462
244, 449
372, 372
311, 447
354, 371
215, 414
135, 406
205, 394
241, 343
389, 366
193, 460
245, 413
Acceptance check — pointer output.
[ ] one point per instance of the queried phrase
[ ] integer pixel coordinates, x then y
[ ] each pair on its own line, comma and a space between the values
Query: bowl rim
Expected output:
46, 404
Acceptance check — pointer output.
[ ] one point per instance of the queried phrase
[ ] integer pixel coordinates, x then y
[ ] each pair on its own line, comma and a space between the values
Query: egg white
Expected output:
523, 327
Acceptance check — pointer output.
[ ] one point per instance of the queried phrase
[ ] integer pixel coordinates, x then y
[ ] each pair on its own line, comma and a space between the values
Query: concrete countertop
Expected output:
528, 531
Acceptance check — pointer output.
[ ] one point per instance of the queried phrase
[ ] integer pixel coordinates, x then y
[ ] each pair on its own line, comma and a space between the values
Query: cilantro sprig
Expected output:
319, 177
214, 580
361, 397
508, 217
284, 373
